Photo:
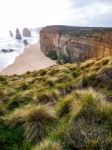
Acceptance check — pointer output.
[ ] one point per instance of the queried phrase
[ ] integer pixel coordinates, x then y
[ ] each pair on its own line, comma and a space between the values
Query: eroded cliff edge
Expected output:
78, 43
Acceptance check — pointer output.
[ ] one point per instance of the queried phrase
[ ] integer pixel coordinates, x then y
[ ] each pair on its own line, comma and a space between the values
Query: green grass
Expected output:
90, 122
53, 55
48, 145
63, 107
35, 120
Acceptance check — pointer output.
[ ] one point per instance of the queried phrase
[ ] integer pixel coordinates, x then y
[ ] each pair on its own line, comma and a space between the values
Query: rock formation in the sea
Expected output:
7, 50
18, 34
11, 34
26, 32
76, 43
25, 42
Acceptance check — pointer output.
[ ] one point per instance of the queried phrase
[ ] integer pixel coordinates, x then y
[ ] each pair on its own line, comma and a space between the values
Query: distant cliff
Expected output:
76, 43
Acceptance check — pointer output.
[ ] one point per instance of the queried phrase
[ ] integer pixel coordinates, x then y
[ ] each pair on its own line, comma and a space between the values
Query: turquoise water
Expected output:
6, 42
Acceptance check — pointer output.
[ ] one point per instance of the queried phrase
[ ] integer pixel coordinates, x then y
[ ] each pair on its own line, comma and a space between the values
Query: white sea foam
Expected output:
6, 42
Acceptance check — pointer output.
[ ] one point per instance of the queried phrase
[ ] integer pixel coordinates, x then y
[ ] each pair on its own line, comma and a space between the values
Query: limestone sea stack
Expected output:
18, 34
11, 34
26, 32
76, 43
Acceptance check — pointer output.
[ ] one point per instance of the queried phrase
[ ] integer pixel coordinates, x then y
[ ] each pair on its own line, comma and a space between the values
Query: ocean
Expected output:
7, 42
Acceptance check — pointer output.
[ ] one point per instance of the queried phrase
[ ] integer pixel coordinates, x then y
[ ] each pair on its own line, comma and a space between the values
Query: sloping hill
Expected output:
64, 107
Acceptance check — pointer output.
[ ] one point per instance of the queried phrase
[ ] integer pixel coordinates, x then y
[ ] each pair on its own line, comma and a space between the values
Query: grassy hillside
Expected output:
64, 107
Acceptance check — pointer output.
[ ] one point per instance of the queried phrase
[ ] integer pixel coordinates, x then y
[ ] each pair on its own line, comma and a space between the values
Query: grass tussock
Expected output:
90, 122
87, 64
36, 121
47, 97
64, 106
48, 145
2, 110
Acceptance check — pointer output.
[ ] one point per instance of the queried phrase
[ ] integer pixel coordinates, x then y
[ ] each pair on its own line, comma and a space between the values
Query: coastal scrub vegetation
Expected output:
63, 107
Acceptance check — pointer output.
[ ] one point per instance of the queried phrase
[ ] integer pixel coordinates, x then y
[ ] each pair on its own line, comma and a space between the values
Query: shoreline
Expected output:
31, 59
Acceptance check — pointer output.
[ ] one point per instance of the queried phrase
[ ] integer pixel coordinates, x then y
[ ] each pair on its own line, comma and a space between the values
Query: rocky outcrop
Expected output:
18, 34
26, 32
11, 34
7, 50
25, 42
78, 43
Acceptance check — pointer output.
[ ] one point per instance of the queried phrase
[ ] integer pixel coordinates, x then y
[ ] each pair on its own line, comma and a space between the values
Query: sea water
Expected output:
7, 42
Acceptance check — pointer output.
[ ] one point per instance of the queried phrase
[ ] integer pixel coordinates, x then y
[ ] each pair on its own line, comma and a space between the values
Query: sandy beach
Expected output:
30, 60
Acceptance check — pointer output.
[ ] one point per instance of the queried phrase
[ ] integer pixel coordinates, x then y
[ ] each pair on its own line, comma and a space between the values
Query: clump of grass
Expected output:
76, 73
64, 106
19, 100
47, 96
72, 67
36, 121
64, 69
53, 71
95, 68
1, 93
2, 78
56, 70
42, 72
63, 77
50, 81
10, 138
88, 100
89, 79
105, 70
65, 88
15, 119
90, 122
2, 109
24, 86
87, 64
48, 145
103, 61
110, 61
85, 135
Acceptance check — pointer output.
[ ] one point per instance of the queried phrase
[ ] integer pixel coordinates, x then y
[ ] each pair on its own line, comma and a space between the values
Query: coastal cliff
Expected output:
76, 43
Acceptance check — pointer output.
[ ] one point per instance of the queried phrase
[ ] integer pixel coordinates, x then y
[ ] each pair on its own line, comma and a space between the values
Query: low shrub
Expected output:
53, 55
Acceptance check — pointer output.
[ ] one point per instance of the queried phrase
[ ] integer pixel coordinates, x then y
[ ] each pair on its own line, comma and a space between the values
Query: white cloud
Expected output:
92, 13
33, 13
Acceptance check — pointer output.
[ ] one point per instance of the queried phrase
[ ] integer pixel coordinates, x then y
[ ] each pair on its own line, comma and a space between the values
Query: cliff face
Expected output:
79, 43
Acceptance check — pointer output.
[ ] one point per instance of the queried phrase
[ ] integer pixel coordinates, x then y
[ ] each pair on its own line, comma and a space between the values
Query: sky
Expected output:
39, 13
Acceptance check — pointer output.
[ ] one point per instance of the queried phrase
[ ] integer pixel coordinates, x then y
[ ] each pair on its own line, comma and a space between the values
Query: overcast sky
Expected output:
37, 13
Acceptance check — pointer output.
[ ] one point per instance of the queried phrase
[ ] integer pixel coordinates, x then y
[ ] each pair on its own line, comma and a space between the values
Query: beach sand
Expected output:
30, 60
